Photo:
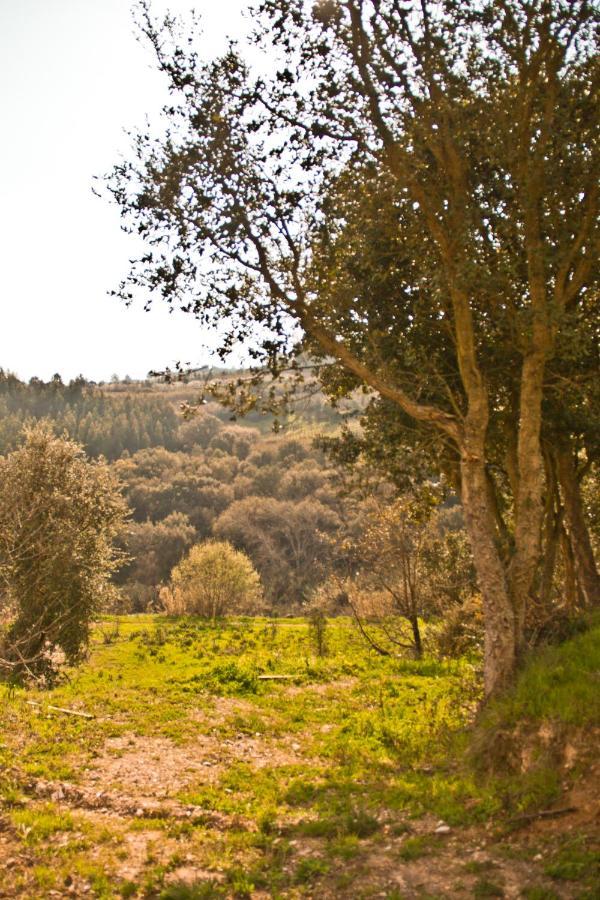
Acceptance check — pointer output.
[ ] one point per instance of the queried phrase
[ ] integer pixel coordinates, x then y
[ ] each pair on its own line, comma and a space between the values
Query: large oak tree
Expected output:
479, 121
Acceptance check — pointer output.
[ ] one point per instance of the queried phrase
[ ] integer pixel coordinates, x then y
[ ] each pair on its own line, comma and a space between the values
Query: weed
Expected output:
346, 846
35, 824
485, 888
381, 740
112, 633
574, 861
477, 867
317, 627
309, 869
203, 890
44, 876
539, 893
415, 847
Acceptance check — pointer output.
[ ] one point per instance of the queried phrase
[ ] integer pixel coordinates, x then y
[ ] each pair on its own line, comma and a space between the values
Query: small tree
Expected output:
213, 580
317, 629
408, 563
59, 515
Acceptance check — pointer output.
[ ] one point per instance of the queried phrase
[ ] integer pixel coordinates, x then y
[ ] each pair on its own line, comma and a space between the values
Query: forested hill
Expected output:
120, 416
271, 495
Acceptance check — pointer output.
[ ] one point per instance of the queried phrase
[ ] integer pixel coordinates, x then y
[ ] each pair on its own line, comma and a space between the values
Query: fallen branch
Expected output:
276, 677
62, 709
543, 814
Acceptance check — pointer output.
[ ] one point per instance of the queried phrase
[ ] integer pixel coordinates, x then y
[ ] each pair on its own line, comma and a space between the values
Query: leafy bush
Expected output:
462, 629
59, 515
212, 581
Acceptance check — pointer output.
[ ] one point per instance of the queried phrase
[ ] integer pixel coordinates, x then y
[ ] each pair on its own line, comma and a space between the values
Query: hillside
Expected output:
196, 773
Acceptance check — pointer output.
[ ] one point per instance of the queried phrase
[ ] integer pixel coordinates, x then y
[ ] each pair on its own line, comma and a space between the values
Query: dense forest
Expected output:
274, 495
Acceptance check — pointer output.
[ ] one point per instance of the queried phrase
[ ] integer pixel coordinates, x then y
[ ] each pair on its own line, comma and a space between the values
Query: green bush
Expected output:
212, 581
59, 516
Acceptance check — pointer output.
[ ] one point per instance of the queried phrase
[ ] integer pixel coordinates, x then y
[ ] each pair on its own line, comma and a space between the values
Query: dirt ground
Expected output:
137, 779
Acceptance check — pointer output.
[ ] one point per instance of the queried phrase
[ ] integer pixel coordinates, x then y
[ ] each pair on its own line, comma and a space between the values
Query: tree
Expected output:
212, 581
286, 541
153, 548
408, 562
476, 124
59, 516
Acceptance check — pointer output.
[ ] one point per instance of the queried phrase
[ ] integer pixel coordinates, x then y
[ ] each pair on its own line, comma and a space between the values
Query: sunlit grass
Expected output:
374, 740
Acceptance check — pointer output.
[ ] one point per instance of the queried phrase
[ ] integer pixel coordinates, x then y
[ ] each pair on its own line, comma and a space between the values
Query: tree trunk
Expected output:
498, 611
579, 538
571, 593
414, 623
529, 506
552, 527
551, 533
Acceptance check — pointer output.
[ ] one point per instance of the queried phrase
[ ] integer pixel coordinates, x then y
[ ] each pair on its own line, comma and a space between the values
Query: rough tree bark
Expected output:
584, 563
529, 505
500, 643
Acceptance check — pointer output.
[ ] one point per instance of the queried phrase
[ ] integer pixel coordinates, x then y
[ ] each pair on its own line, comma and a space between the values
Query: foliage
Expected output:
409, 242
317, 621
59, 516
286, 540
105, 422
180, 476
213, 580
153, 549
556, 684
460, 631
410, 560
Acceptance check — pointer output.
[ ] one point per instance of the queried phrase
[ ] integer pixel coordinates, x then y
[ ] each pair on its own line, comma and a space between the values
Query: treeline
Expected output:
106, 424
121, 417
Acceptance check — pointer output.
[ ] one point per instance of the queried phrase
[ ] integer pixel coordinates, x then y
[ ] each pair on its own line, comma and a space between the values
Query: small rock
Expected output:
139, 812
295, 747
443, 829
537, 857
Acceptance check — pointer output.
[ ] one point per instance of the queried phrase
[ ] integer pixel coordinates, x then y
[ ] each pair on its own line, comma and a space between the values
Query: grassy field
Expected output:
200, 774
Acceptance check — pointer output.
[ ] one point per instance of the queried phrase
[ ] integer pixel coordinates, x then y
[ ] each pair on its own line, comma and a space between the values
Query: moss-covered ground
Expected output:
231, 760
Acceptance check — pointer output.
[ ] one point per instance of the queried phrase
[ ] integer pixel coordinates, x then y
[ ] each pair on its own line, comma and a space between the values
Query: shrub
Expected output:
461, 630
212, 581
59, 515
317, 626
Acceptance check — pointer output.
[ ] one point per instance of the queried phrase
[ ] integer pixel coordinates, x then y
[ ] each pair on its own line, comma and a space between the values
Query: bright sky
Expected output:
72, 77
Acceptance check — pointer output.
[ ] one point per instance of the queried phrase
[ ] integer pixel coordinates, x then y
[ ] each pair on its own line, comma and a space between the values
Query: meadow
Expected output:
186, 759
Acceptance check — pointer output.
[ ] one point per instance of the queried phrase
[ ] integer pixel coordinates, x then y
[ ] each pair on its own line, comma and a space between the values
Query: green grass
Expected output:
35, 825
560, 684
576, 859
378, 740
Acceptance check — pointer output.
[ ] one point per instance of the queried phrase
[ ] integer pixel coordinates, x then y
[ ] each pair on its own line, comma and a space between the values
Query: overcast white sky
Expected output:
72, 77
